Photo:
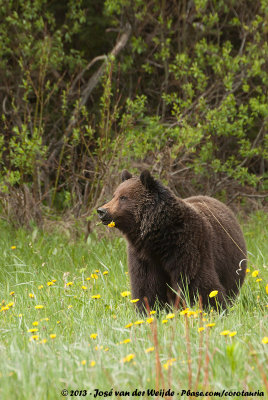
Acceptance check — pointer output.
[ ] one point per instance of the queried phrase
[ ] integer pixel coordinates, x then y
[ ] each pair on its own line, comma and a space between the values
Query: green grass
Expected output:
32, 369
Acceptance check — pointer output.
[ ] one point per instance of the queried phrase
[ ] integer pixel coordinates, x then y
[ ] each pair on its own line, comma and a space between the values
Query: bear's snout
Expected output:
104, 215
102, 212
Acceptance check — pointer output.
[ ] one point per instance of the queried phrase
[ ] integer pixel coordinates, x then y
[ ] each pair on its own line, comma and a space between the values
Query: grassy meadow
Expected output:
67, 322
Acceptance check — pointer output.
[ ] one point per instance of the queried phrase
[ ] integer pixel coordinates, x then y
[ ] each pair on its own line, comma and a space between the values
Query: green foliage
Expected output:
188, 92
34, 58
212, 80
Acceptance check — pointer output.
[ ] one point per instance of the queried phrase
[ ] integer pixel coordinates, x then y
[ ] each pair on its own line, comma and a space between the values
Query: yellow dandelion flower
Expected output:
111, 224
134, 300
258, 280
125, 294
83, 362
13, 247
44, 319
88, 278
149, 350
32, 330
84, 287
93, 335
39, 306
11, 304
129, 325
211, 324
139, 322
4, 308
94, 276
169, 363
54, 280
106, 349
20, 315
170, 316
43, 341
265, 340
225, 333
183, 312
50, 283
40, 287
58, 322
200, 329
192, 313
128, 358
69, 283
125, 341
34, 337
164, 321
97, 271
213, 293
266, 288
93, 363
35, 323
31, 295
12, 293
152, 312
231, 334
70, 306
247, 270
255, 273
52, 335
105, 273
149, 320
96, 296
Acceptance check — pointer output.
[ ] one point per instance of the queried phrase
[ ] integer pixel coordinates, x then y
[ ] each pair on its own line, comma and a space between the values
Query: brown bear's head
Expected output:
129, 201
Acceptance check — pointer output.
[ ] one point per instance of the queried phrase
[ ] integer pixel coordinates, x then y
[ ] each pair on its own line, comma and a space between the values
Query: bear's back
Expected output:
217, 213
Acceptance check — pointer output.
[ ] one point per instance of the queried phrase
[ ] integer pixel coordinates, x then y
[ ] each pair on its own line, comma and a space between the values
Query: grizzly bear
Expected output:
187, 246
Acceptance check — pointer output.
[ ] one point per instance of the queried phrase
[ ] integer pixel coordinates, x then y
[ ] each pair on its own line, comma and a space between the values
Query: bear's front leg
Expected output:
147, 280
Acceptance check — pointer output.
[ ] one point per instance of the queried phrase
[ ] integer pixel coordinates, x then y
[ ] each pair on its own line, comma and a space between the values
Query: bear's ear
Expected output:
147, 180
125, 175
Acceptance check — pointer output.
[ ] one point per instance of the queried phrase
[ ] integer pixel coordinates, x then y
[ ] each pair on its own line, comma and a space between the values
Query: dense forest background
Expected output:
90, 87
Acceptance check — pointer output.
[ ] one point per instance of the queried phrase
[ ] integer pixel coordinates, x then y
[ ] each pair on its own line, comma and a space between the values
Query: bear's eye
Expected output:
123, 198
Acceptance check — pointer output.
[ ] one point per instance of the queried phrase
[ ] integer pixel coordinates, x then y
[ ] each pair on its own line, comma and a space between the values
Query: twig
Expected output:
200, 347
79, 76
188, 348
92, 83
251, 196
206, 361
153, 327
96, 77
260, 368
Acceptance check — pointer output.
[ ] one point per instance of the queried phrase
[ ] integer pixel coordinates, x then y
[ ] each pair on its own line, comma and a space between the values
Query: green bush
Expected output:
187, 95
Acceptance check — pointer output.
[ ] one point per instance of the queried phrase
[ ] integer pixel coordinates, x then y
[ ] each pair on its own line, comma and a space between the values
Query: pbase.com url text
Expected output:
98, 393
226, 393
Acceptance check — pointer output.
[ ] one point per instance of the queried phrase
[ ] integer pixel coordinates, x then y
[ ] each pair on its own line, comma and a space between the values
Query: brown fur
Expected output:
173, 242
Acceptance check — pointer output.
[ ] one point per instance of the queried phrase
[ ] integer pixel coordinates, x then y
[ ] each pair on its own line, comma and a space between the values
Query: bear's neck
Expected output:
159, 226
